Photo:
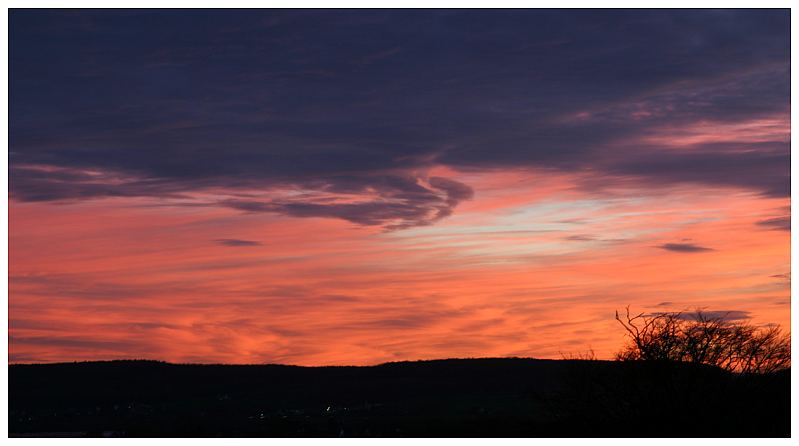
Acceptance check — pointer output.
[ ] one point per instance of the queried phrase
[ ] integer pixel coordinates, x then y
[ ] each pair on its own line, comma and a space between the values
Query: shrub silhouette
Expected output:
737, 346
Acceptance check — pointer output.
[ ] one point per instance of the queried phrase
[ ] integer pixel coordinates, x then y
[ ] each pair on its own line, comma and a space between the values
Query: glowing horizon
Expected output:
481, 284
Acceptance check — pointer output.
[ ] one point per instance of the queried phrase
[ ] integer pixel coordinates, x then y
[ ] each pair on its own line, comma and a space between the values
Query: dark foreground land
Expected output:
452, 398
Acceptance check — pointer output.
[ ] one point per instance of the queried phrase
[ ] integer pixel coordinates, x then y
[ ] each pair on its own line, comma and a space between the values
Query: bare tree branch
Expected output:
700, 338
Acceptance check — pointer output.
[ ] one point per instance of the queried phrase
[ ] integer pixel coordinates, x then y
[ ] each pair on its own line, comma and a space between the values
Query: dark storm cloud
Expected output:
236, 242
683, 247
164, 103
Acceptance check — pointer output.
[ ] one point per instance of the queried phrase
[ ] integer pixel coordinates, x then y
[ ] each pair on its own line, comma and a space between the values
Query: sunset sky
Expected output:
357, 187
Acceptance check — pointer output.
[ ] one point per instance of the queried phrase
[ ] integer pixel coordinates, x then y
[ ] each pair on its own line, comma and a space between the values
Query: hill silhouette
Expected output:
509, 397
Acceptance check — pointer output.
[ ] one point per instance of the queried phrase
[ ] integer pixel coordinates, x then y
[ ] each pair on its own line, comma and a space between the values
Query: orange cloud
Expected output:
531, 266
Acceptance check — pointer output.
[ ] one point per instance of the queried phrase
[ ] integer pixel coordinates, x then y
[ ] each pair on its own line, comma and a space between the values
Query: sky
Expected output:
352, 187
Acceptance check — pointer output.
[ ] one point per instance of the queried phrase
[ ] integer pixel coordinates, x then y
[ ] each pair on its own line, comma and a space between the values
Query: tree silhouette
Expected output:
736, 346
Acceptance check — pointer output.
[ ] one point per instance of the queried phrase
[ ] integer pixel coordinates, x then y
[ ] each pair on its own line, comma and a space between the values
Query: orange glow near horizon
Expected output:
532, 266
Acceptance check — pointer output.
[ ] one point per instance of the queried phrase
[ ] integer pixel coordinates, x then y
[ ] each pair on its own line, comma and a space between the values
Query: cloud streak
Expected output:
728, 315
683, 247
236, 242
778, 223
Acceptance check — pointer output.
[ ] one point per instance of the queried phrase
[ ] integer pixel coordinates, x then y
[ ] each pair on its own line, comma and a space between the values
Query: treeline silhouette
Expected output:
680, 375
446, 398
